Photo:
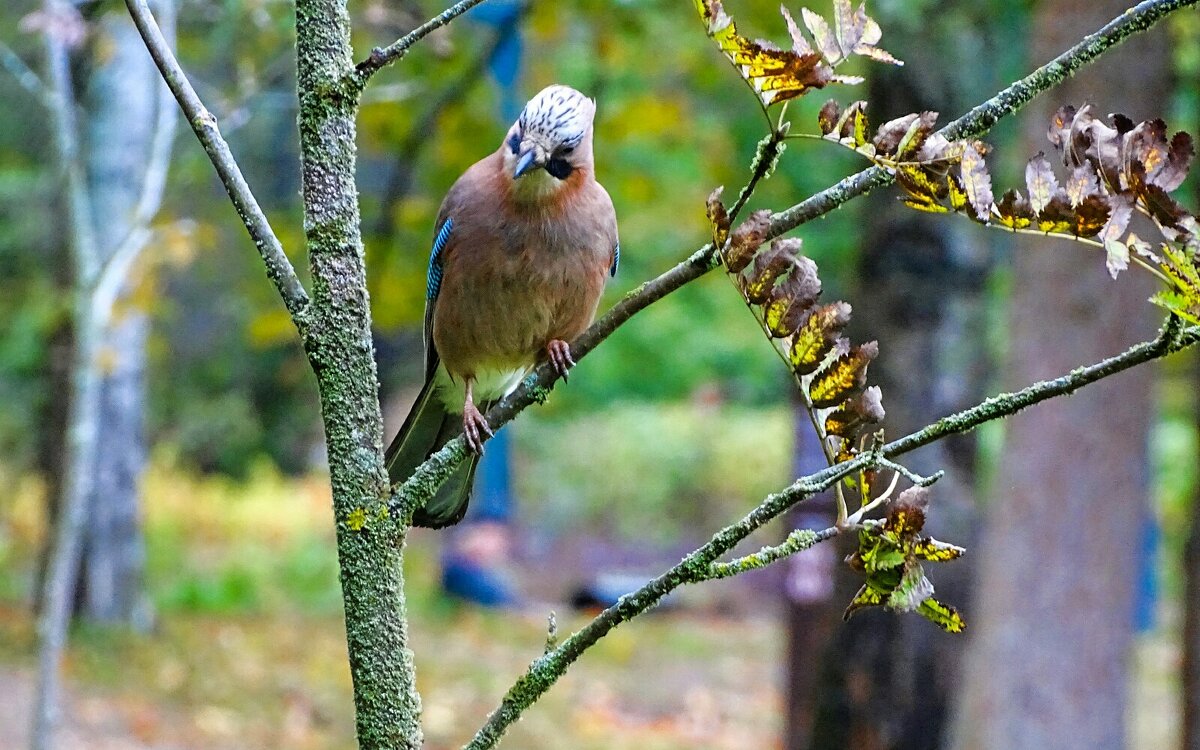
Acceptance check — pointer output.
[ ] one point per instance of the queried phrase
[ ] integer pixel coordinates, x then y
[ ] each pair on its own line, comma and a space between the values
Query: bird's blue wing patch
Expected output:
616, 259
433, 279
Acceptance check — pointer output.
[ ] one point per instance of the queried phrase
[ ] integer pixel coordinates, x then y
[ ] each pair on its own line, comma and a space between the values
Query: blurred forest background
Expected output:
209, 609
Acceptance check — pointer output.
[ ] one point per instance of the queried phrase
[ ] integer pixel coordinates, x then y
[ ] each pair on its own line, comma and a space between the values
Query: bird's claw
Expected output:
559, 354
475, 426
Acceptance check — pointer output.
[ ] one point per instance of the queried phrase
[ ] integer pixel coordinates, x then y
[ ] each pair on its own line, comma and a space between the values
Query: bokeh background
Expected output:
220, 624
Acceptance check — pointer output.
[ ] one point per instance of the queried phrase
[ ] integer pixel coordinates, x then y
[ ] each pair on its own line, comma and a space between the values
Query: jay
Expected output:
523, 244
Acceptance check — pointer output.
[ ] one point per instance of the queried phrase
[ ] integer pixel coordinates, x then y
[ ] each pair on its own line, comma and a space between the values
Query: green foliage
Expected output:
668, 484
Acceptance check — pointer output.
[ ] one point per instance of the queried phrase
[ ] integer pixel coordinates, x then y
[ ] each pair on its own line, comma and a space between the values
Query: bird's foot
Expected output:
559, 354
475, 426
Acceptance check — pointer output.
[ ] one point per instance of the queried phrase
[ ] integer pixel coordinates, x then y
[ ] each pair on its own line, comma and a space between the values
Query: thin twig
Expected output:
279, 268
23, 74
383, 56
797, 541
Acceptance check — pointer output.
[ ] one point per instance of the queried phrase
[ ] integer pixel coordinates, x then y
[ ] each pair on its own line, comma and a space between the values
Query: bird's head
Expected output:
550, 141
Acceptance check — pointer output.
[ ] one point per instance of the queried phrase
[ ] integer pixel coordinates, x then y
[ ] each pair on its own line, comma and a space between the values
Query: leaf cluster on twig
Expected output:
776, 74
1114, 171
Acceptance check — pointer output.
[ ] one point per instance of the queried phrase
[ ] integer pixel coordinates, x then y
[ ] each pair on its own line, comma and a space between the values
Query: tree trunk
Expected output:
1052, 622
1191, 609
884, 681
339, 345
122, 105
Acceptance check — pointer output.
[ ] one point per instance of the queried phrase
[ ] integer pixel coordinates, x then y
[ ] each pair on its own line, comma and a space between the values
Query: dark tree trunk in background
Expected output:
1052, 621
1191, 607
885, 681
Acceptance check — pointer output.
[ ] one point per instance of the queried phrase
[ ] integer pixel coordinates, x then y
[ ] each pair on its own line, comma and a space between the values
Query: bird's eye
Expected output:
514, 142
568, 150
559, 168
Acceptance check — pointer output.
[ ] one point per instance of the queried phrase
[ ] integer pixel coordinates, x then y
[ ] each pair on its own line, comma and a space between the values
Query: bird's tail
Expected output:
426, 429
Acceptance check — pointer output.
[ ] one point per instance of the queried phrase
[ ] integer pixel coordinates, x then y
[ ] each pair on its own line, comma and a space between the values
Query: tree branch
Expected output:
701, 564
24, 75
428, 477
382, 56
204, 124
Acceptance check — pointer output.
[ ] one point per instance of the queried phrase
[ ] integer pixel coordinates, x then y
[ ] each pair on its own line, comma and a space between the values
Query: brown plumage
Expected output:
525, 240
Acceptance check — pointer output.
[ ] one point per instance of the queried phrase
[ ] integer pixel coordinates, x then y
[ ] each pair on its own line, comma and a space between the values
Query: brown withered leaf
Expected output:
718, 217
1091, 216
924, 191
904, 136
1015, 211
888, 135
844, 377
1121, 207
745, 240
768, 267
1058, 216
775, 74
850, 419
791, 299
1093, 141
1081, 184
817, 336
857, 33
1173, 220
1142, 248
1059, 133
828, 117
1146, 145
1179, 160
823, 35
914, 139
1116, 257
1040, 181
977, 184
959, 199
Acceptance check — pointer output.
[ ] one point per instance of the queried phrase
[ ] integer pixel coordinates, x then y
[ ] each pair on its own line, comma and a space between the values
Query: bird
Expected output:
524, 243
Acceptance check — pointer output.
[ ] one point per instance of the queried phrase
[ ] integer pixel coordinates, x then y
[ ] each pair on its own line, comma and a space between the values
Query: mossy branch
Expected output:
204, 125
702, 564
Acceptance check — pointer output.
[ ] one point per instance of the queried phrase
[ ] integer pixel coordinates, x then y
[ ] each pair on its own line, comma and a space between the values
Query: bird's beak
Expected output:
526, 162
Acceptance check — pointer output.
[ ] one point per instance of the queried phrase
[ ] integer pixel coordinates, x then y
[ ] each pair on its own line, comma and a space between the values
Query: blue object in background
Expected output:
493, 500
504, 65
484, 581
1145, 595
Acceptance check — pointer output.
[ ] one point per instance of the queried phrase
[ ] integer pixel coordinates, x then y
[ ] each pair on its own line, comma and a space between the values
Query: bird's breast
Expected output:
509, 290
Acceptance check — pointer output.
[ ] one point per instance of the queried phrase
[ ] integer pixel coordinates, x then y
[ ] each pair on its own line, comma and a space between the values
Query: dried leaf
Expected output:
1059, 133
924, 192
1081, 184
718, 217
826, 41
1116, 257
1091, 216
791, 299
828, 117
817, 336
745, 240
857, 33
977, 184
914, 139
1014, 210
844, 377
1179, 161
776, 75
852, 417
1040, 181
768, 267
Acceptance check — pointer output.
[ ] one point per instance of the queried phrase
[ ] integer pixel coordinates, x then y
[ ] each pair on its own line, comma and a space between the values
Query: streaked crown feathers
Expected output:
558, 113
